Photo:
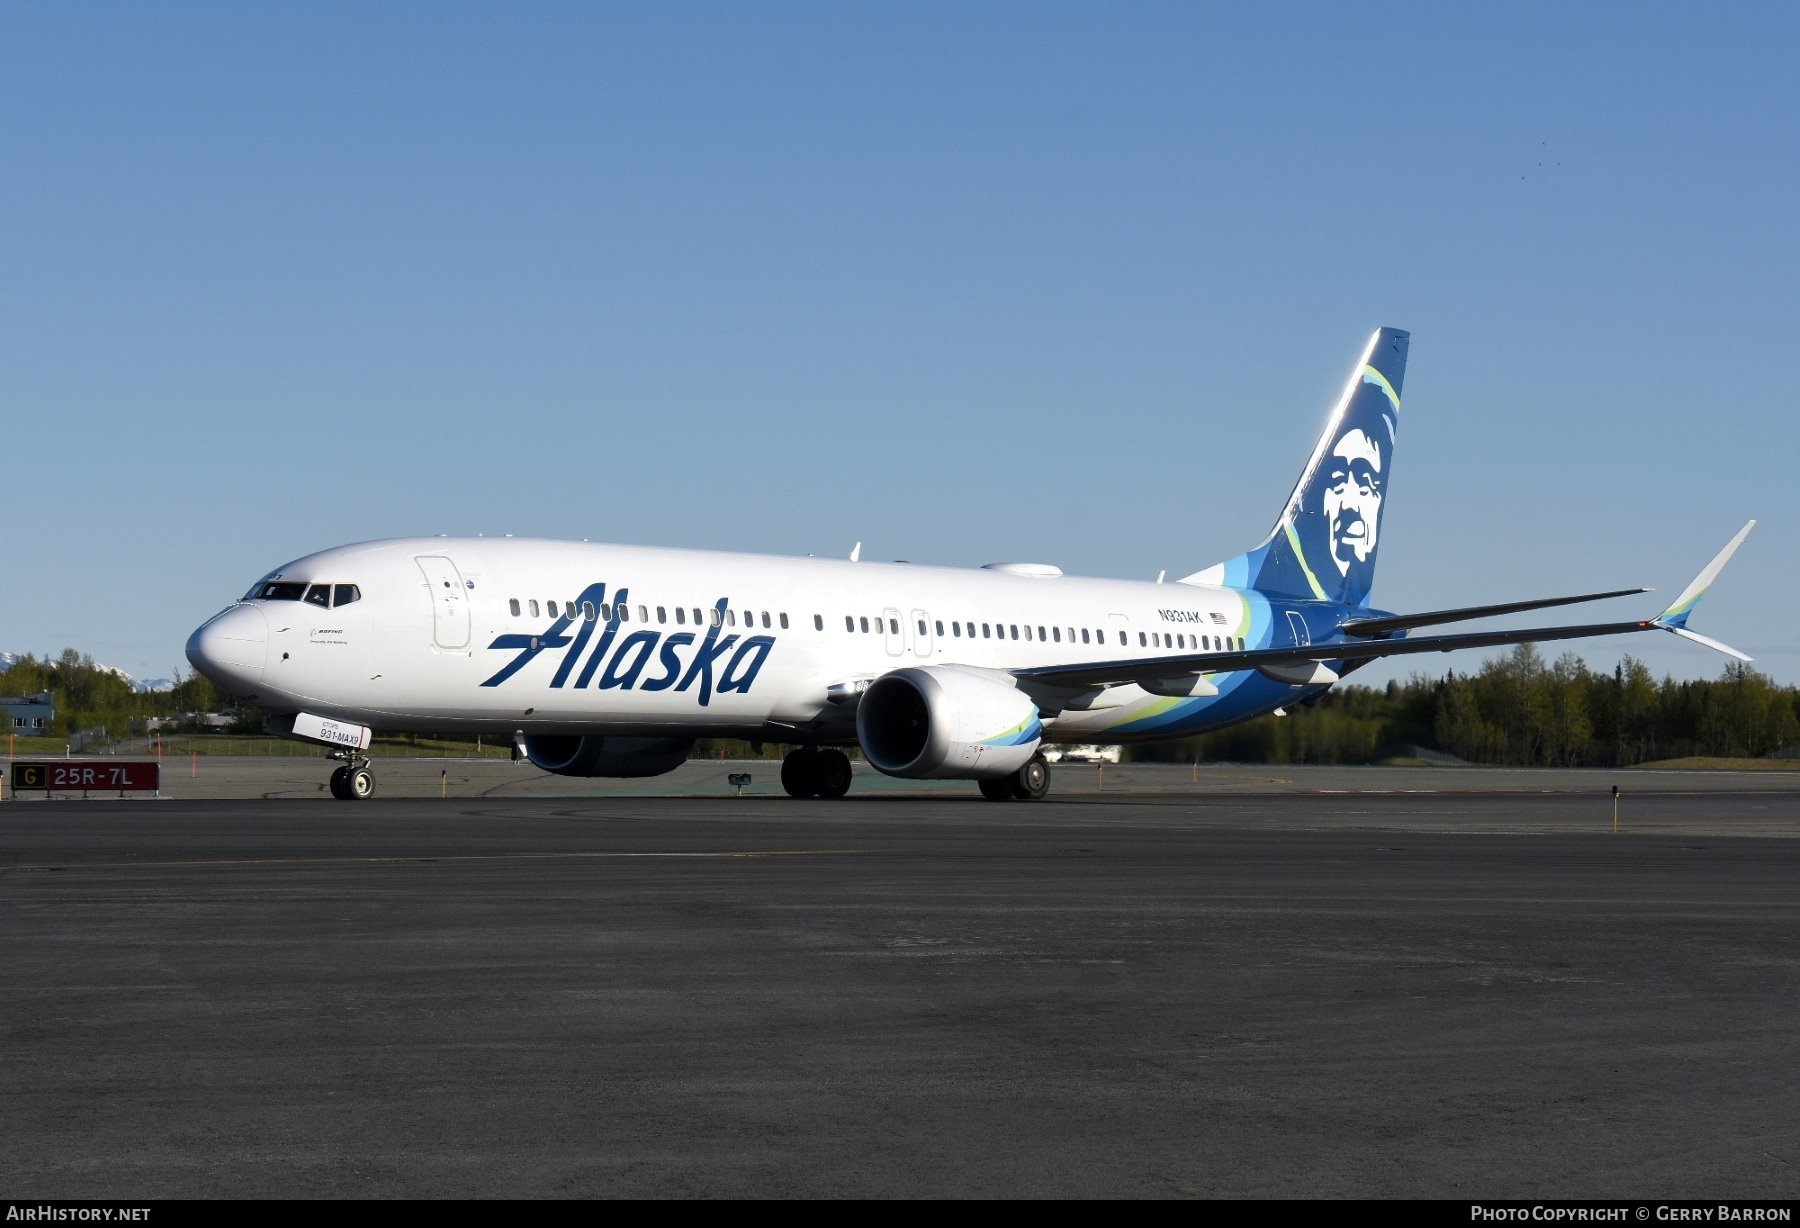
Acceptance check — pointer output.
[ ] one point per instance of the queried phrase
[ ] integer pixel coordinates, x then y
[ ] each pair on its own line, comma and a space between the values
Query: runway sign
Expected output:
85, 775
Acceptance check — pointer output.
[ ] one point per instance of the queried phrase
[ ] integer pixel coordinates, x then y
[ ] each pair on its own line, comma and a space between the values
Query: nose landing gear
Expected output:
353, 782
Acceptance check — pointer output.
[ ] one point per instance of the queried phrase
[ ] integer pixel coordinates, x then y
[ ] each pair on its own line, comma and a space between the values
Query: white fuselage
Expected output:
550, 637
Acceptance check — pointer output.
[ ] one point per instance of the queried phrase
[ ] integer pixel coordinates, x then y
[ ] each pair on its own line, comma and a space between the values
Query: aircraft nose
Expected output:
232, 648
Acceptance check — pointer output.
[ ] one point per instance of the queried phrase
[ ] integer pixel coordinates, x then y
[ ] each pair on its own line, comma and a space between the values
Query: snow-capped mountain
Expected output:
9, 659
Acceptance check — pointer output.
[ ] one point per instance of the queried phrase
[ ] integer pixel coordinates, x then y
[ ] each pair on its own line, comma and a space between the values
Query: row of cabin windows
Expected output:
1205, 643
1003, 631
854, 624
605, 611
1052, 635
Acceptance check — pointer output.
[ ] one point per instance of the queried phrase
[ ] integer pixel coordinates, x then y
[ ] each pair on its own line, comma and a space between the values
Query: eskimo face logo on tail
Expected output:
1351, 498
1325, 545
617, 658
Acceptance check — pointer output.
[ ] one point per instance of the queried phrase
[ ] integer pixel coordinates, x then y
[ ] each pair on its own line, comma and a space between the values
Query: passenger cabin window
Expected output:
818, 622
662, 614
784, 625
588, 611
643, 613
534, 607
1084, 635
551, 607
513, 605
681, 615
863, 619
940, 628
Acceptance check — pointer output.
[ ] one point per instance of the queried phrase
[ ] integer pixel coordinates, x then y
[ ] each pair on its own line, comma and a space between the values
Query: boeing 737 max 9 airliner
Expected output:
604, 660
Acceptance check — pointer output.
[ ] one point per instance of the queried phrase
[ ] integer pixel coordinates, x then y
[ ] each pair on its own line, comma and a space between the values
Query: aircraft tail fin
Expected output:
1324, 543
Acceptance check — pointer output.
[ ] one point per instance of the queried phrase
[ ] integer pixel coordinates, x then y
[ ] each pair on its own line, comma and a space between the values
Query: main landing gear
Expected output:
1026, 785
353, 782
810, 772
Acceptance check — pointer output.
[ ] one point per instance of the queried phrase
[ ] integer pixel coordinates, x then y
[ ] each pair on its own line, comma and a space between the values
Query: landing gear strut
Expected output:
353, 782
1026, 785
810, 772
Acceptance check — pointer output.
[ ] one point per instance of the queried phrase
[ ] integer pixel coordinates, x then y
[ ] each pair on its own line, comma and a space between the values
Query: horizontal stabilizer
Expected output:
1399, 622
1709, 642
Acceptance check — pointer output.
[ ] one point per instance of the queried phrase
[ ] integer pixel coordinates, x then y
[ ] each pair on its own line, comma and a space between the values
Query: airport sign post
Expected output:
87, 776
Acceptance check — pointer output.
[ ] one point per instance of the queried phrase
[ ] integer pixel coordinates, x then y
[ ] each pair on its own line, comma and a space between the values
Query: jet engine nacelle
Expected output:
578, 755
939, 722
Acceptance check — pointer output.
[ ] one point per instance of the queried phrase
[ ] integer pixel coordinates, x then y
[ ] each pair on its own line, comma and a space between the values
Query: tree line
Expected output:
90, 696
1519, 710
1515, 710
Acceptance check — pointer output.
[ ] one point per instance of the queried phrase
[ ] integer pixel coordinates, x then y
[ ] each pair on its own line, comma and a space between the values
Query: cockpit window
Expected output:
280, 590
346, 593
319, 595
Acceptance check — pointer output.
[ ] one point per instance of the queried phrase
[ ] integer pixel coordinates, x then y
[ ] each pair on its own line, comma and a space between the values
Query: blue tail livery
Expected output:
1324, 543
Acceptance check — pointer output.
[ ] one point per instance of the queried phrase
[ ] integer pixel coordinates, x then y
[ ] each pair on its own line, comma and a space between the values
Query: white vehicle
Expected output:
1082, 754
605, 660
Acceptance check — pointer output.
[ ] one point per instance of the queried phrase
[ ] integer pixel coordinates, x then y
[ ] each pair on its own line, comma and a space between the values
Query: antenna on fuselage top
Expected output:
856, 552
1161, 574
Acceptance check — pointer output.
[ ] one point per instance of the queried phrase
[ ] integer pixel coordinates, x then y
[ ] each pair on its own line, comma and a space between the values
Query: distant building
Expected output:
191, 720
32, 714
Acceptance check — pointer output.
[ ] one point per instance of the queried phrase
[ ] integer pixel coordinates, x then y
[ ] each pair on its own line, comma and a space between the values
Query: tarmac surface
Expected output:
1261, 983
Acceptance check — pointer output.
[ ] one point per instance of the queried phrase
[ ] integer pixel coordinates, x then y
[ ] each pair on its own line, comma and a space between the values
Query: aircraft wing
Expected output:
1114, 673
1387, 624
1287, 659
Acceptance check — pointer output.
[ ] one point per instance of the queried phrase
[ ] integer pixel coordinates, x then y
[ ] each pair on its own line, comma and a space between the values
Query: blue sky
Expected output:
1069, 283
